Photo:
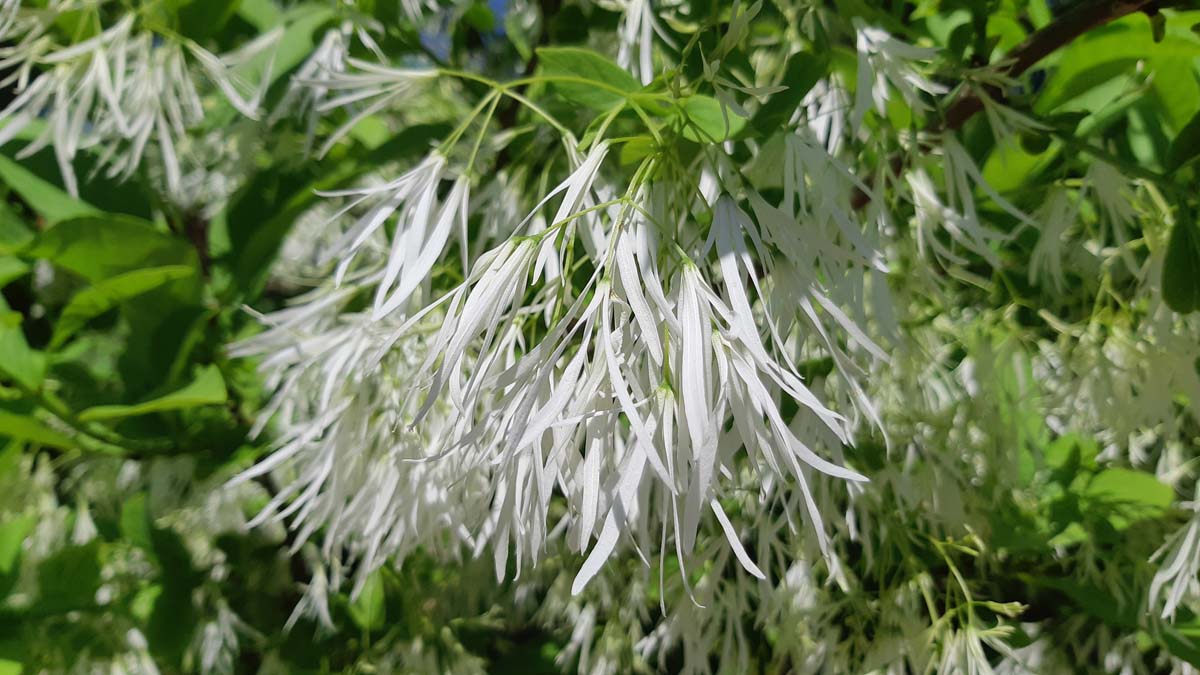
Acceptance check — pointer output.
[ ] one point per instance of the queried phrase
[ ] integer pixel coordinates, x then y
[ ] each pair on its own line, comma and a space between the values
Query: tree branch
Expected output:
1056, 35
1049, 39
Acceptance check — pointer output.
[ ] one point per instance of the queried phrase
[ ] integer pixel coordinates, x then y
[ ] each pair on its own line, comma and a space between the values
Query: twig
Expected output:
1052, 37
1059, 33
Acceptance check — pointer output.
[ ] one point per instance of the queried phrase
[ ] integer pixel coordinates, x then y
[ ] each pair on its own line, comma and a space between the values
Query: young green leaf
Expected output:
33, 430
50, 201
707, 121
602, 83
367, 609
15, 235
101, 246
1186, 145
11, 269
1180, 281
12, 534
802, 72
18, 361
207, 389
108, 293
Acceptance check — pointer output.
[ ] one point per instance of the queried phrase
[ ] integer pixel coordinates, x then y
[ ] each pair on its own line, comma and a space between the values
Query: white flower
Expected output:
361, 87
120, 90
1055, 218
957, 215
1178, 577
639, 25
882, 61
1112, 192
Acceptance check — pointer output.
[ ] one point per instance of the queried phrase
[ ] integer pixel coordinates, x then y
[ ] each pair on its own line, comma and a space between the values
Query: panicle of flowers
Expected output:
307, 92
1005, 122
1112, 191
1056, 217
362, 88
1178, 577
639, 26
119, 90
618, 406
885, 62
956, 213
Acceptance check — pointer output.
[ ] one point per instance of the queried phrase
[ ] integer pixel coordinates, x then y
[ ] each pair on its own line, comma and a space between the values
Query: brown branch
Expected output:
1059, 33
1054, 36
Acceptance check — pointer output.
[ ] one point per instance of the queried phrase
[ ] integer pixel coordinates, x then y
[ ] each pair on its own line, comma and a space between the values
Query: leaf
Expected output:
12, 535
1180, 281
1182, 639
108, 293
18, 361
607, 83
207, 389
50, 201
135, 522
68, 580
1186, 145
25, 428
480, 17
162, 320
11, 269
97, 247
802, 72
708, 121
15, 235
201, 19
1108, 52
1131, 495
367, 609
262, 14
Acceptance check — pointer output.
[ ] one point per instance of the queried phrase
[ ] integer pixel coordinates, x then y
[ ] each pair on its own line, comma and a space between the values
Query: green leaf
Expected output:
1182, 639
1186, 145
99, 247
135, 522
201, 19
108, 293
607, 84
68, 580
18, 361
50, 201
635, 149
207, 389
707, 121
480, 17
15, 235
1180, 281
1108, 52
162, 320
802, 72
368, 610
1131, 495
262, 14
12, 535
25, 428
11, 269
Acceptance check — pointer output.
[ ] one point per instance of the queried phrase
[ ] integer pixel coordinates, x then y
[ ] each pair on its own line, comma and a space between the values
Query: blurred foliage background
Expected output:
122, 416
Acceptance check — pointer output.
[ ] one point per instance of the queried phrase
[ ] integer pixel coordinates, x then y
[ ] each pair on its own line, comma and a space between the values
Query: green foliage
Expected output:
585, 77
122, 417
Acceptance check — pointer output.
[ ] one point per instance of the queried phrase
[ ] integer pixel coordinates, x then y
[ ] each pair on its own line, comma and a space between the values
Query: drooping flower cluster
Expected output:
674, 364
120, 91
